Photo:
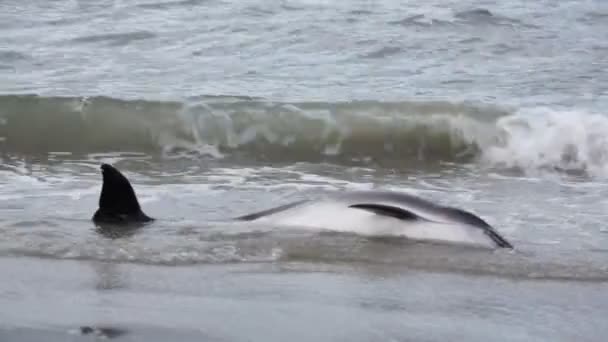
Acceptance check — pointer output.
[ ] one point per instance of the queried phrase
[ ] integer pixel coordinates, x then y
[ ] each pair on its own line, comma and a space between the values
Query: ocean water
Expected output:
215, 109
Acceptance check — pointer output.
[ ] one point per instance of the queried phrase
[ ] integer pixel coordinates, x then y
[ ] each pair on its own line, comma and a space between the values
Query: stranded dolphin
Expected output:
364, 212
385, 212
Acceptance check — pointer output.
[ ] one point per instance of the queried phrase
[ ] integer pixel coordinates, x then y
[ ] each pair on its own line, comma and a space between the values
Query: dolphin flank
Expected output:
385, 212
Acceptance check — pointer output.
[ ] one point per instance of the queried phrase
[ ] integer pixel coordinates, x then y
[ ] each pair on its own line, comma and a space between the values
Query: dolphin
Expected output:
362, 212
385, 213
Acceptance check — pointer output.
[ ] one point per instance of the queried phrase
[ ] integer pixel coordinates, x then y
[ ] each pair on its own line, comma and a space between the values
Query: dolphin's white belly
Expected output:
337, 216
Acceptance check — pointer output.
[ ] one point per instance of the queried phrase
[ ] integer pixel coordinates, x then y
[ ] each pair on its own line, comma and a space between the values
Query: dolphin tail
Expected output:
499, 240
118, 202
472, 219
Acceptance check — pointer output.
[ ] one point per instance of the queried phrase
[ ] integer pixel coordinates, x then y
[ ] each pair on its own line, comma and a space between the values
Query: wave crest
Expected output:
543, 139
387, 133
241, 126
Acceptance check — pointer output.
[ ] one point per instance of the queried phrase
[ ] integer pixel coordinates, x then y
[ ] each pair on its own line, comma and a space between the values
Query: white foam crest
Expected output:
545, 139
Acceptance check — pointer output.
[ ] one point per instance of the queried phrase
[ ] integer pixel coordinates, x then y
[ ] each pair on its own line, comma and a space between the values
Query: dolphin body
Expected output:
362, 212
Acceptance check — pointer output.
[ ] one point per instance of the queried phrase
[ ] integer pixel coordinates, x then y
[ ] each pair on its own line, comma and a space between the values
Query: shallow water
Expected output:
299, 301
215, 109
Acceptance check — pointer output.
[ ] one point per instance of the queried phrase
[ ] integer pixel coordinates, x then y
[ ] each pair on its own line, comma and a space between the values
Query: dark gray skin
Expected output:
118, 207
118, 204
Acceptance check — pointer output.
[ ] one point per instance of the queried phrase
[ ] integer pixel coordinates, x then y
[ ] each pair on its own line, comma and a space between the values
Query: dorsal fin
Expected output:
118, 201
387, 210
117, 194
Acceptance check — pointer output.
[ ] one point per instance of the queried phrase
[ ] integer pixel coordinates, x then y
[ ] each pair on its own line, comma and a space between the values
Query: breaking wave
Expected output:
404, 132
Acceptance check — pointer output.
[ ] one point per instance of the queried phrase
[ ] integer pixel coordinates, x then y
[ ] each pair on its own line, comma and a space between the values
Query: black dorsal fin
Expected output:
118, 201
117, 194
387, 210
